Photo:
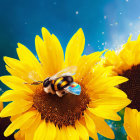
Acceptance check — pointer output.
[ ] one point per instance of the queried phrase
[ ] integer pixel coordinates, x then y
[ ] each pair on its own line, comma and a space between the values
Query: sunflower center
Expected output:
60, 110
132, 86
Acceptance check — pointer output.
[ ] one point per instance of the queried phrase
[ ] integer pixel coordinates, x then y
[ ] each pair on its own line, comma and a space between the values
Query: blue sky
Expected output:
106, 23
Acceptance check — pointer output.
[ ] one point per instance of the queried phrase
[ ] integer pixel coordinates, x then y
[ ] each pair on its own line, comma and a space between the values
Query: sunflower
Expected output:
126, 62
39, 115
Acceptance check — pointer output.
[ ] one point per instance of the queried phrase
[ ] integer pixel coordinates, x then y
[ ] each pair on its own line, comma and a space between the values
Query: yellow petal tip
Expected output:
119, 118
37, 38
6, 134
18, 44
80, 31
129, 39
5, 58
3, 113
138, 37
1, 78
44, 30
125, 79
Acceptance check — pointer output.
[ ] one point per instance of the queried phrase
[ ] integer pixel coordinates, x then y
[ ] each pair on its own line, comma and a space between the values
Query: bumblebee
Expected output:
61, 83
57, 85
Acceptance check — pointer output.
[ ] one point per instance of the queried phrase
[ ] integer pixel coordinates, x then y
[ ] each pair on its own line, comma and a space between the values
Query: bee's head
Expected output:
69, 79
46, 82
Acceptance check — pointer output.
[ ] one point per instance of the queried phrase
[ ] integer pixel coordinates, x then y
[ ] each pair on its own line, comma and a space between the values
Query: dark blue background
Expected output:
106, 24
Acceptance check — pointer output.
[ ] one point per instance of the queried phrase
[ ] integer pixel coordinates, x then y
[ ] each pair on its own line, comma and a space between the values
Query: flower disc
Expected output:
60, 110
132, 86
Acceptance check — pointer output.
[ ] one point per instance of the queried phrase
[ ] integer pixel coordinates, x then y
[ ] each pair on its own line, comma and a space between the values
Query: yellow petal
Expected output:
41, 131
85, 67
102, 127
100, 71
59, 52
105, 113
14, 82
109, 82
13, 72
29, 133
40, 49
61, 134
42, 53
130, 123
71, 133
11, 95
45, 131
110, 103
91, 126
15, 108
52, 52
114, 92
82, 131
17, 123
29, 125
127, 54
25, 71
112, 59
46, 35
75, 48
107, 93
138, 124
15, 64
29, 59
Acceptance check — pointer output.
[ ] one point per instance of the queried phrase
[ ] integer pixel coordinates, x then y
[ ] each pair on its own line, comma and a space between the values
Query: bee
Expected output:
61, 83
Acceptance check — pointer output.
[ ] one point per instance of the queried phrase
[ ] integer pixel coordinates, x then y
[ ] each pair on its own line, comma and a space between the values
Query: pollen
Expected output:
132, 86
60, 110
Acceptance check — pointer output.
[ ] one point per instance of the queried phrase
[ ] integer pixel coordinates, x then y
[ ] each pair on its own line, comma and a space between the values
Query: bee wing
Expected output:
69, 71
74, 88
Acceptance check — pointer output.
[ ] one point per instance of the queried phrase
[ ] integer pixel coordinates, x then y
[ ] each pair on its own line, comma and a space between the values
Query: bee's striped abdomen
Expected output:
52, 85
62, 84
59, 84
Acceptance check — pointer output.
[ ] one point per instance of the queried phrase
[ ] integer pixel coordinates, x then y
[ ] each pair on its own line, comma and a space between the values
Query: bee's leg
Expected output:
34, 83
59, 93
49, 90
46, 90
